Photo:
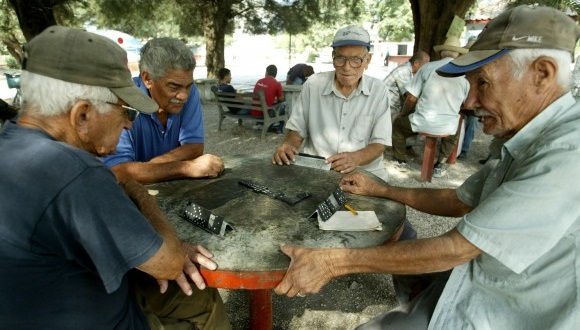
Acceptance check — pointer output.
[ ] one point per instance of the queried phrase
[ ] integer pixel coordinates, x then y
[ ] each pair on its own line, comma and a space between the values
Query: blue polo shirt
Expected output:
148, 138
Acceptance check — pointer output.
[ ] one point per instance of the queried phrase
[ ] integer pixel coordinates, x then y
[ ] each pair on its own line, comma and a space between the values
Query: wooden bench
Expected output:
249, 101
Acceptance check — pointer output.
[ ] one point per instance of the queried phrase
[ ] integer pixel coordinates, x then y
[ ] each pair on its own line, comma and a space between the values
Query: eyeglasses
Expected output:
355, 61
132, 113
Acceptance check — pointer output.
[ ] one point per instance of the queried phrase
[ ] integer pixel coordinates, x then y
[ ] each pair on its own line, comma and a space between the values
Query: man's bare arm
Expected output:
168, 262
409, 105
184, 152
285, 153
178, 163
346, 162
442, 202
311, 269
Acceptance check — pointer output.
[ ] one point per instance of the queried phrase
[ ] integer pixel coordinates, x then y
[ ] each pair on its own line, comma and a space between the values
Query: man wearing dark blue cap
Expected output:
342, 115
514, 253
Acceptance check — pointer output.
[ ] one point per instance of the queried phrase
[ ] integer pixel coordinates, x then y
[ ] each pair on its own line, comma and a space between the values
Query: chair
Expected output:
430, 150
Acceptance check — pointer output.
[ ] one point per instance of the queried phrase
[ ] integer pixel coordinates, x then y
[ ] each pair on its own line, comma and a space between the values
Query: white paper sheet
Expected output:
346, 221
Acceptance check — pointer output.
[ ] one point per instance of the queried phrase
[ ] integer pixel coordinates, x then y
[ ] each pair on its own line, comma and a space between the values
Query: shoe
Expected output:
438, 170
462, 155
402, 166
483, 161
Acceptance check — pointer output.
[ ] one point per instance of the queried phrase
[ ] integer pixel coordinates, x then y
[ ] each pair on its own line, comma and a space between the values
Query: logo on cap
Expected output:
535, 39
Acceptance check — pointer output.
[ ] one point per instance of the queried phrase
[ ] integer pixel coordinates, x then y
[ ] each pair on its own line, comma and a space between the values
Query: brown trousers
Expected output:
174, 310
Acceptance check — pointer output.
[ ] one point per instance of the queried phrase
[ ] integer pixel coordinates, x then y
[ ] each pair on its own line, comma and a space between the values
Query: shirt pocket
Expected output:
361, 130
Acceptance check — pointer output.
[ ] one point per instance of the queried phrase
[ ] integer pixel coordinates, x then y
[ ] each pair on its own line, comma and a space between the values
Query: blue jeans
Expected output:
471, 125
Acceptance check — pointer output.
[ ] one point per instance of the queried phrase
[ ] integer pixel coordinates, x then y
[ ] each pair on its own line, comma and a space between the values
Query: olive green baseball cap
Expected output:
78, 56
522, 27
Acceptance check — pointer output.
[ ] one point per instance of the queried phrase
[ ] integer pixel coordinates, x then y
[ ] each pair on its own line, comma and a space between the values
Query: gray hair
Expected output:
521, 58
161, 55
47, 96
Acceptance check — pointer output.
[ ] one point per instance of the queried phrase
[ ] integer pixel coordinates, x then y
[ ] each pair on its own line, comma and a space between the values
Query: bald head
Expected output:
418, 59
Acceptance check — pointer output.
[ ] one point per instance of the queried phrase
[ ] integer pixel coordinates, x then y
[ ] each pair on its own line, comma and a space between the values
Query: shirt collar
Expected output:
363, 87
521, 142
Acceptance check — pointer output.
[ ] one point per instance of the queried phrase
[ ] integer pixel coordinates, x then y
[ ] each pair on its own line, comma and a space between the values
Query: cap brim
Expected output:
470, 61
350, 43
135, 98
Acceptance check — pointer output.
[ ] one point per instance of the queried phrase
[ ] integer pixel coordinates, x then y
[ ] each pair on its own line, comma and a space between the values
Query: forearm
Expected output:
149, 208
405, 257
409, 105
147, 172
184, 152
370, 153
441, 202
293, 139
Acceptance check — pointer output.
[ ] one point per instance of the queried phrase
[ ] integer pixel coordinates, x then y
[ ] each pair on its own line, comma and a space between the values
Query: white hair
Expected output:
47, 96
521, 58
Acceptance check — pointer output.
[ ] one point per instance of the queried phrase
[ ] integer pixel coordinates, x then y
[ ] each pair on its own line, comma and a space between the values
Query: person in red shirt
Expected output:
272, 91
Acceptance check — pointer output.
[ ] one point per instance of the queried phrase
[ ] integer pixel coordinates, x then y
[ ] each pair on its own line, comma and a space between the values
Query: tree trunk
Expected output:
215, 22
14, 47
34, 15
432, 20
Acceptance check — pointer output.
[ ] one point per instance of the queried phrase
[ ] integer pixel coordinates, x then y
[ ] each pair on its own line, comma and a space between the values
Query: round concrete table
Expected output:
249, 256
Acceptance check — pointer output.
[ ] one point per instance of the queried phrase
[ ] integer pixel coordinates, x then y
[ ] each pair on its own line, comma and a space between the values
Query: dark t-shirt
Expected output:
68, 237
297, 71
229, 89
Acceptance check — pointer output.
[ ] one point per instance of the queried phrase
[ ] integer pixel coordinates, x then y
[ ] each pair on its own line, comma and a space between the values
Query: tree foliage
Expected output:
394, 18
311, 23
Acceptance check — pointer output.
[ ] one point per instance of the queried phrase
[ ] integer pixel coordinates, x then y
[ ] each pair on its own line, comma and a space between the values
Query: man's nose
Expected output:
472, 100
182, 94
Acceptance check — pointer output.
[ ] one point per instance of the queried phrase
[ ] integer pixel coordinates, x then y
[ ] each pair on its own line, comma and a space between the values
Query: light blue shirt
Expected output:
439, 99
396, 82
148, 138
526, 221
331, 123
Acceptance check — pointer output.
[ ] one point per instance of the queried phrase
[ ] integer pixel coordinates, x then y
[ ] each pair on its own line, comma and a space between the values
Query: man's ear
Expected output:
81, 114
146, 78
545, 71
369, 57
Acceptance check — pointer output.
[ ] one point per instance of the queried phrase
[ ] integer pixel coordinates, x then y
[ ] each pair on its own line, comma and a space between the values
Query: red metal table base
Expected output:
260, 284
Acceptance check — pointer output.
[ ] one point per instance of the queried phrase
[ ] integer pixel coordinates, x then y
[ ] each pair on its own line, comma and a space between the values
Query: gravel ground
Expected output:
348, 301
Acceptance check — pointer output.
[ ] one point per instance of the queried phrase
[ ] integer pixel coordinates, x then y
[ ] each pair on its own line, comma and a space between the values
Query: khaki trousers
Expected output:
174, 310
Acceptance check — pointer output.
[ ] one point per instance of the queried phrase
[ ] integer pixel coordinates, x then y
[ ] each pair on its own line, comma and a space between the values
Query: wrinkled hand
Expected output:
344, 162
309, 271
284, 154
194, 254
362, 184
206, 166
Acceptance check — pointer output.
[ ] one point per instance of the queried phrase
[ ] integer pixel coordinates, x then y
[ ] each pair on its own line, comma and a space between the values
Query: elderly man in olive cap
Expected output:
514, 252
77, 251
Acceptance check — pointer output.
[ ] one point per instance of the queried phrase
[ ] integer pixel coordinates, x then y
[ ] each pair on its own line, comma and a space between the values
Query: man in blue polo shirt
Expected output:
167, 144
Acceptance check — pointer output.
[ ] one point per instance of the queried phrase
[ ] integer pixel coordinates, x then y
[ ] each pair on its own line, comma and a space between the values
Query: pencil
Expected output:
351, 209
